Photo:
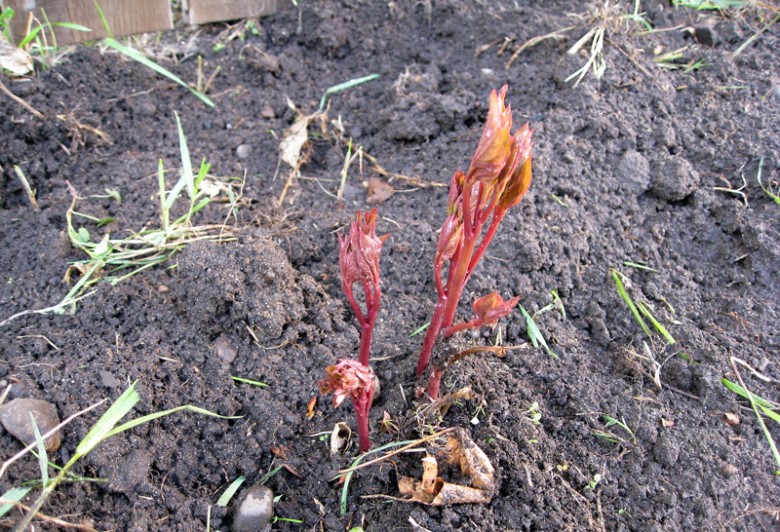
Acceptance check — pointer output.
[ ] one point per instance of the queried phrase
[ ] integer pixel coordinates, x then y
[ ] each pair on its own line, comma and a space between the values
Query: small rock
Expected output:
267, 111
243, 151
255, 510
225, 350
15, 417
728, 470
732, 420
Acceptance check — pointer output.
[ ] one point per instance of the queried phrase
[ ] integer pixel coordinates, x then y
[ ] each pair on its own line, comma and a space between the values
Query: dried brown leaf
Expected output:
460, 449
378, 191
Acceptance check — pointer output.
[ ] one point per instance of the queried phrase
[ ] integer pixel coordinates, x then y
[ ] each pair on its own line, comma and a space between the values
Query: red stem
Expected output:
351, 298
373, 297
449, 331
458, 279
430, 337
491, 232
362, 404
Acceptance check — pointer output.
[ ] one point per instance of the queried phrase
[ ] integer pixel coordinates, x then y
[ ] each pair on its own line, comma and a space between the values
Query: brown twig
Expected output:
21, 102
48, 518
397, 451
557, 34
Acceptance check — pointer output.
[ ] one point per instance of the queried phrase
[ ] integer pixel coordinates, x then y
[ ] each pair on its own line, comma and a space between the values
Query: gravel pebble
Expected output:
255, 510
728, 470
243, 151
15, 417
226, 352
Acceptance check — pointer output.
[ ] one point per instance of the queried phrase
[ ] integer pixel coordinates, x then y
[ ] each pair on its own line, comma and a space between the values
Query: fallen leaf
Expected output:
310, 407
340, 438
433, 490
292, 470
294, 140
430, 475
279, 452
378, 191
15, 60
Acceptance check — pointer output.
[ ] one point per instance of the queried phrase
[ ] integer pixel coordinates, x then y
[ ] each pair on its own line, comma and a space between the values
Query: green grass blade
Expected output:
767, 190
175, 192
711, 5
344, 86
536, 336
657, 324
150, 417
765, 406
12, 495
420, 329
141, 58
639, 266
231, 490
249, 381
103, 428
270, 474
72, 26
30, 36
757, 403
164, 209
43, 458
103, 19
355, 463
202, 173
624, 295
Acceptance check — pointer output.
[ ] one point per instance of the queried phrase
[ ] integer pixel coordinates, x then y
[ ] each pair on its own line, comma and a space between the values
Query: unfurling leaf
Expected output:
491, 308
494, 145
348, 378
360, 249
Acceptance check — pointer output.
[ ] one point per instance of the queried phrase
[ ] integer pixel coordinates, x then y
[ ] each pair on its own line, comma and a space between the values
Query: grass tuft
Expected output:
103, 429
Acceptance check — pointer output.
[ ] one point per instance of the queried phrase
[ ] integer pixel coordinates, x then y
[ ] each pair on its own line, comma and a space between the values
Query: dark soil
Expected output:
634, 158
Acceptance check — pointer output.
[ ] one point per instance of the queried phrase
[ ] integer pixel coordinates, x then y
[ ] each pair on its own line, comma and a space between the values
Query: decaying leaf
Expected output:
432, 489
378, 191
340, 438
443, 404
13, 59
310, 407
294, 140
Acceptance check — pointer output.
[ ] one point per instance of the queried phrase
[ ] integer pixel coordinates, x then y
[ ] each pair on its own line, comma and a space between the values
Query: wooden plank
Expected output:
124, 17
203, 11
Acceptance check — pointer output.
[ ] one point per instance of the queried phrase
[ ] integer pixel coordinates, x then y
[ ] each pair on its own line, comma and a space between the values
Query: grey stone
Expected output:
728, 470
226, 352
244, 151
255, 510
15, 417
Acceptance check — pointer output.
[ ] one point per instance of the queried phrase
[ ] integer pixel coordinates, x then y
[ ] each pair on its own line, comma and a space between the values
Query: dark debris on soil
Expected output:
629, 167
